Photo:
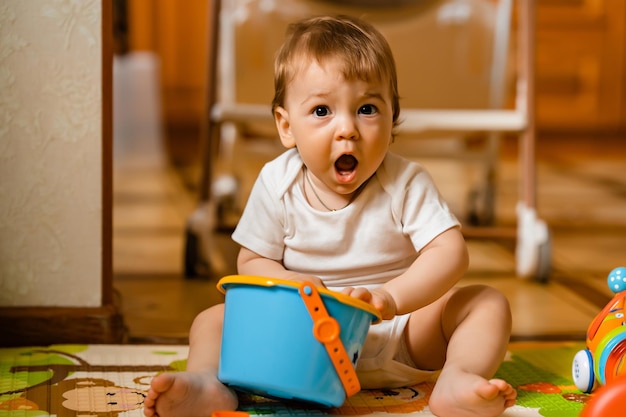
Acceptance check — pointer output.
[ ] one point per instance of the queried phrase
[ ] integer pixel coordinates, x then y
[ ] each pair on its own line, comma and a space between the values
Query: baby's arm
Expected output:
440, 265
251, 263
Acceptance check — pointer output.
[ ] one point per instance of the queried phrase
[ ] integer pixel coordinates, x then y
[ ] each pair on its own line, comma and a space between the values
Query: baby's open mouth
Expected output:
346, 164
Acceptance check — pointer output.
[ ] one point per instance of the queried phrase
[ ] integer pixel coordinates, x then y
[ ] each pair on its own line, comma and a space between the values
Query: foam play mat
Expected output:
112, 380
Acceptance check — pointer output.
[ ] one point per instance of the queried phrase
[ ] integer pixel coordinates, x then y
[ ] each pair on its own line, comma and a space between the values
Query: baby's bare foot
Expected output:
460, 394
189, 394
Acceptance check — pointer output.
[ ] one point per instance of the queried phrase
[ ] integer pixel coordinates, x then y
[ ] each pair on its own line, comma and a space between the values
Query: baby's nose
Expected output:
347, 128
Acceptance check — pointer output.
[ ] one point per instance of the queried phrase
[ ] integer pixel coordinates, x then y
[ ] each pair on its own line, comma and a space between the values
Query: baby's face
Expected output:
342, 128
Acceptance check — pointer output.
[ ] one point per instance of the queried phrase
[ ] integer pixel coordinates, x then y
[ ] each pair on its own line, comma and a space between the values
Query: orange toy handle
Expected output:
227, 413
326, 330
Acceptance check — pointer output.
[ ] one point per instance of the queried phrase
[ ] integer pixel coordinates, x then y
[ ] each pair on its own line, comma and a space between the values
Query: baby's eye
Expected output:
321, 111
368, 109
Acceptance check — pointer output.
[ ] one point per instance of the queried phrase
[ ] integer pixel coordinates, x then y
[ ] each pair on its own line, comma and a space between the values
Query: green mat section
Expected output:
542, 377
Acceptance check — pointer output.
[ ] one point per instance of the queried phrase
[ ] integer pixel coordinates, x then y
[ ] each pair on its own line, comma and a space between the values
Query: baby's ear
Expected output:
281, 117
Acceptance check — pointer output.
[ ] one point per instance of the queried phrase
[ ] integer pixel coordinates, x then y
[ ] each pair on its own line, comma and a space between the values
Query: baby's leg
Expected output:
196, 392
465, 334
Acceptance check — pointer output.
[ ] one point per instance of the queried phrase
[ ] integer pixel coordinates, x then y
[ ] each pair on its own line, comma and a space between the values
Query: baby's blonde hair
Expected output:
365, 54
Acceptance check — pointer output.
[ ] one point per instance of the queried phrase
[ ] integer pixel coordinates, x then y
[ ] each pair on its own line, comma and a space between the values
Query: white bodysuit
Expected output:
372, 240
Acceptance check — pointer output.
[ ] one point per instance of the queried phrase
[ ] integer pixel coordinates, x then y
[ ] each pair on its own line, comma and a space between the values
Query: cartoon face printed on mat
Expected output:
81, 396
101, 396
397, 395
77, 396
396, 400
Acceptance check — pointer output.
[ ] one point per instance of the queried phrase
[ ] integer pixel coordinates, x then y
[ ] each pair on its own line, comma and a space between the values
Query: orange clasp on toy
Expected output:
230, 414
326, 330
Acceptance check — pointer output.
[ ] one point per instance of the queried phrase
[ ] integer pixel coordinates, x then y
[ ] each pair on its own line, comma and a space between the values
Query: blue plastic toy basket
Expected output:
288, 340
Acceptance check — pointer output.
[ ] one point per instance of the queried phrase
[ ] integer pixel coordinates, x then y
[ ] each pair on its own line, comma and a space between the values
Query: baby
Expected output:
342, 211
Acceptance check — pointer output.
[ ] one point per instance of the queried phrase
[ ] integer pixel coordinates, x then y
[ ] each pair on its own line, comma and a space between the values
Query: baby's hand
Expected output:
316, 281
378, 298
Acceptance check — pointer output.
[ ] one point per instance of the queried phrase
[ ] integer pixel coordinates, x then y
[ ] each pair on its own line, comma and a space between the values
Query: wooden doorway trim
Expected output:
41, 326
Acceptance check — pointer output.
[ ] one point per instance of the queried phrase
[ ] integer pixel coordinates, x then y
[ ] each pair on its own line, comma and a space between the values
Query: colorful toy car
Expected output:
605, 357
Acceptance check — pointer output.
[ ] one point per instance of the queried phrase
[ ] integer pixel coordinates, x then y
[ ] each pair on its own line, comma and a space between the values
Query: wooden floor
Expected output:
581, 194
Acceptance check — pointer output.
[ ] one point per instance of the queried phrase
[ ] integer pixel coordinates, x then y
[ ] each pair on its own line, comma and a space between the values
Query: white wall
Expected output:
50, 153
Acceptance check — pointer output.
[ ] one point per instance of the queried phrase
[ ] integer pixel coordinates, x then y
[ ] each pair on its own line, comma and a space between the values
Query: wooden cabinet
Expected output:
581, 65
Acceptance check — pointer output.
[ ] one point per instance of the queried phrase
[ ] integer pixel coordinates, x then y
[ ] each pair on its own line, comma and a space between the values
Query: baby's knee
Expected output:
486, 298
209, 321
493, 294
211, 315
